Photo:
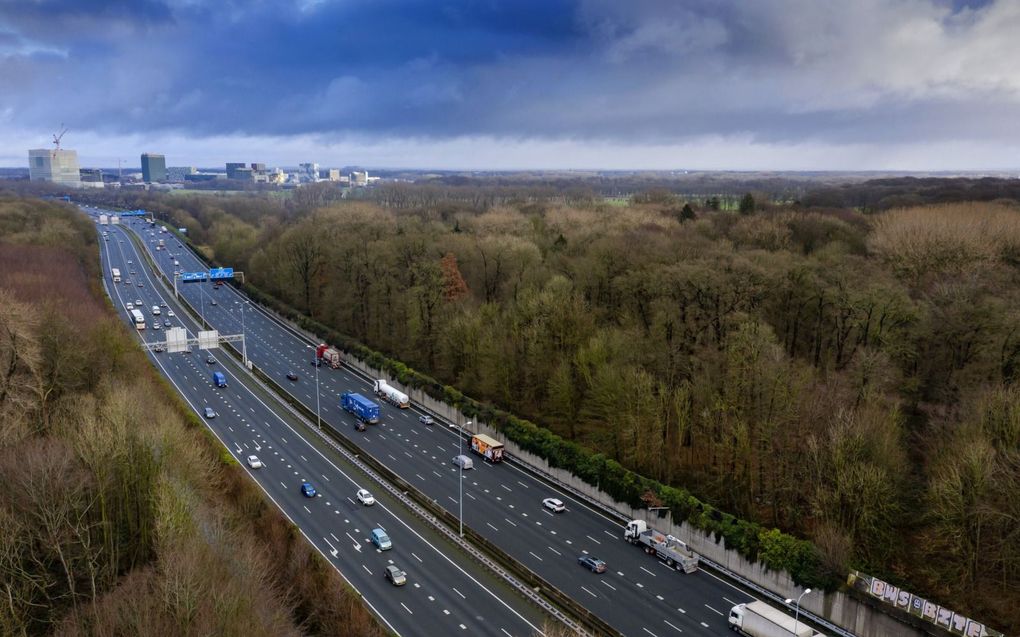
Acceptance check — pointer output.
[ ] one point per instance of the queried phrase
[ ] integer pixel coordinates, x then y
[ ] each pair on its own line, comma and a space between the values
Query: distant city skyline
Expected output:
559, 84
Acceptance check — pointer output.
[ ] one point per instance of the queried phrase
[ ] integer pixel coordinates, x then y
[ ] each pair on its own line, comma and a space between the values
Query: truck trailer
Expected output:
363, 408
489, 448
390, 394
758, 619
328, 355
675, 553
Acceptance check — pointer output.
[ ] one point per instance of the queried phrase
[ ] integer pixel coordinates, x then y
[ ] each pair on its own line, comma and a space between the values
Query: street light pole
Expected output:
460, 447
244, 341
796, 615
318, 413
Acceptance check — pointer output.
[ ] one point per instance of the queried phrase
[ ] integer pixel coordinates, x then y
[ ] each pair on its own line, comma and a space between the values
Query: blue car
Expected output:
307, 490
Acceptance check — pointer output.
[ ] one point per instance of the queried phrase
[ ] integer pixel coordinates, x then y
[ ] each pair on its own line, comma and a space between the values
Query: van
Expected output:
219, 379
381, 540
463, 462
155, 310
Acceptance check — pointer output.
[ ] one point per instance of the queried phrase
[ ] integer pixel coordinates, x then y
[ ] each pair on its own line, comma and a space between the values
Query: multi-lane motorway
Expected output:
637, 595
445, 590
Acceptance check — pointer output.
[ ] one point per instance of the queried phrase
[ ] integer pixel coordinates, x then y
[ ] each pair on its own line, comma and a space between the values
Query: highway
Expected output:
637, 595
445, 591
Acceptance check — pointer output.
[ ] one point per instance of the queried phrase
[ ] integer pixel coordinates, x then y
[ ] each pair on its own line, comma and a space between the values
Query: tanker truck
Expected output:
391, 394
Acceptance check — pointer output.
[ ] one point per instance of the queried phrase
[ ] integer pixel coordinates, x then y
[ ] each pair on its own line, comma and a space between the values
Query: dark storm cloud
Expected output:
652, 71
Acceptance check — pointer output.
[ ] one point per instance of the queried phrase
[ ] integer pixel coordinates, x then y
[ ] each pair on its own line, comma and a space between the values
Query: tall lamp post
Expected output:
315, 363
244, 340
460, 483
796, 615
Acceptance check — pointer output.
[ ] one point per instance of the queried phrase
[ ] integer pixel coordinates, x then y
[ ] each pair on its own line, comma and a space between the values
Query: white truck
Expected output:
675, 553
758, 619
391, 394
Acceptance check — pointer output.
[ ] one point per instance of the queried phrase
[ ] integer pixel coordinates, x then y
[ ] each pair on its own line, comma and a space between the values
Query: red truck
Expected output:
328, 355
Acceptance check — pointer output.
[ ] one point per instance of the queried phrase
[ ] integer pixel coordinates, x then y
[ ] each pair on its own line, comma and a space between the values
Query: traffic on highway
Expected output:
503, 502
315, 490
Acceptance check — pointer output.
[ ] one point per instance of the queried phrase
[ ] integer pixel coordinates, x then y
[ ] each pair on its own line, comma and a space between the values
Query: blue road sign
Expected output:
194, 276
133, 213
221, 273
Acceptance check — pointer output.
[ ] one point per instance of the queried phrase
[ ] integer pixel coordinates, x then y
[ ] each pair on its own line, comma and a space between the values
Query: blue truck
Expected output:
363, 408
219, 379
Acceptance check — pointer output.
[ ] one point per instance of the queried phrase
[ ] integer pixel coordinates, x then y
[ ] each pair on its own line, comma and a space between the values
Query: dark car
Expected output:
209, 359
317, 362
291, 376
141, 285
359, 425
592, 564
307, 490
396, 576
167, 323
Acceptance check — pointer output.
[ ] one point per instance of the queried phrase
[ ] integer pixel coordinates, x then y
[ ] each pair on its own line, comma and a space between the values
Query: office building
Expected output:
233, 169
56, 166
330, 174
259, 168
309, 172
178, 174
359, 178
243, 174
153, 168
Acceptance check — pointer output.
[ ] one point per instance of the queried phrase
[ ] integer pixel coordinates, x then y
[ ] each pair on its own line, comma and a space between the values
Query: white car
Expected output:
554, 505
365, 497
170, 313
130, 306
138, 303
254, 462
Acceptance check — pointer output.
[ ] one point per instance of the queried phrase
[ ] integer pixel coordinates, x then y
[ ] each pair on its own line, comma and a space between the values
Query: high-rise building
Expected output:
259, 168
153, 168
329, 174
309, 172
57, 166
359, 178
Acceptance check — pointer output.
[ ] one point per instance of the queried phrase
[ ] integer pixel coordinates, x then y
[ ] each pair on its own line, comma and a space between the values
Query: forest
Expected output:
120, 514
844, 375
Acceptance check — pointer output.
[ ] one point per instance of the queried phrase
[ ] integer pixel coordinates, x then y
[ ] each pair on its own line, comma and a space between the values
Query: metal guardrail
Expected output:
536, 590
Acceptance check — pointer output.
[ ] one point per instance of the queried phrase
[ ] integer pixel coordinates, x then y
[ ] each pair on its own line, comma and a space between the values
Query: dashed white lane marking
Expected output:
712, 609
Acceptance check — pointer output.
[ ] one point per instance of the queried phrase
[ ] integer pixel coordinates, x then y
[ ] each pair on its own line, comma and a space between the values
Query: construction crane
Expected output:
58, 136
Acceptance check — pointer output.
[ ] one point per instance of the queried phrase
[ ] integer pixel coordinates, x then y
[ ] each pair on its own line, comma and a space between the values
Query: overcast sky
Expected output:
491, 84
